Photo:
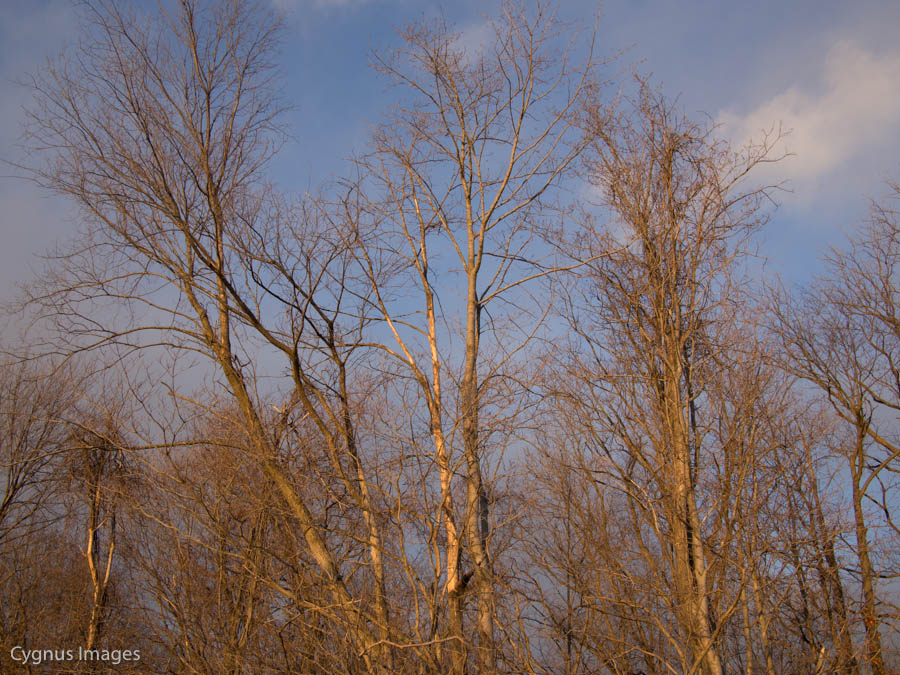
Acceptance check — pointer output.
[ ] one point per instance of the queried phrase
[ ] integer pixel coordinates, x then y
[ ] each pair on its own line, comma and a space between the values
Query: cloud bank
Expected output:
857, 105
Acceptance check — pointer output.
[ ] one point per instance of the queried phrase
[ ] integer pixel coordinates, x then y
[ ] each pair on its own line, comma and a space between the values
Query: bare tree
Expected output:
160, 129
33, 547
94, 479
33, 405
656, 328
842, 336
458, 187
99, 459
817, 530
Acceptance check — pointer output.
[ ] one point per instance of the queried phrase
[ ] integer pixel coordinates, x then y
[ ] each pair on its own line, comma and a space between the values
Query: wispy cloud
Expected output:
475, 39
854, 105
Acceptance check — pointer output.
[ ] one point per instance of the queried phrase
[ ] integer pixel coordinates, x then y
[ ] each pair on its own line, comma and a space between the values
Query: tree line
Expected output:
512, 395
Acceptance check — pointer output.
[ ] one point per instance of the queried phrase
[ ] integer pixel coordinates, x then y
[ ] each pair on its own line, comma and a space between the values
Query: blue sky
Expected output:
828, 71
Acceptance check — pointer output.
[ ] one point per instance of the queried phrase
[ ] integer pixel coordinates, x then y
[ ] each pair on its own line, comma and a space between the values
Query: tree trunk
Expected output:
477, 517
867, 572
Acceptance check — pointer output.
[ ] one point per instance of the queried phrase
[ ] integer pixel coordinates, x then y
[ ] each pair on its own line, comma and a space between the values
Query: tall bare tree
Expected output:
459, 185
657, 325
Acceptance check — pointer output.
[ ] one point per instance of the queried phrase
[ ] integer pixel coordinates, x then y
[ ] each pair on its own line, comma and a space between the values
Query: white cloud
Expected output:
856, 105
